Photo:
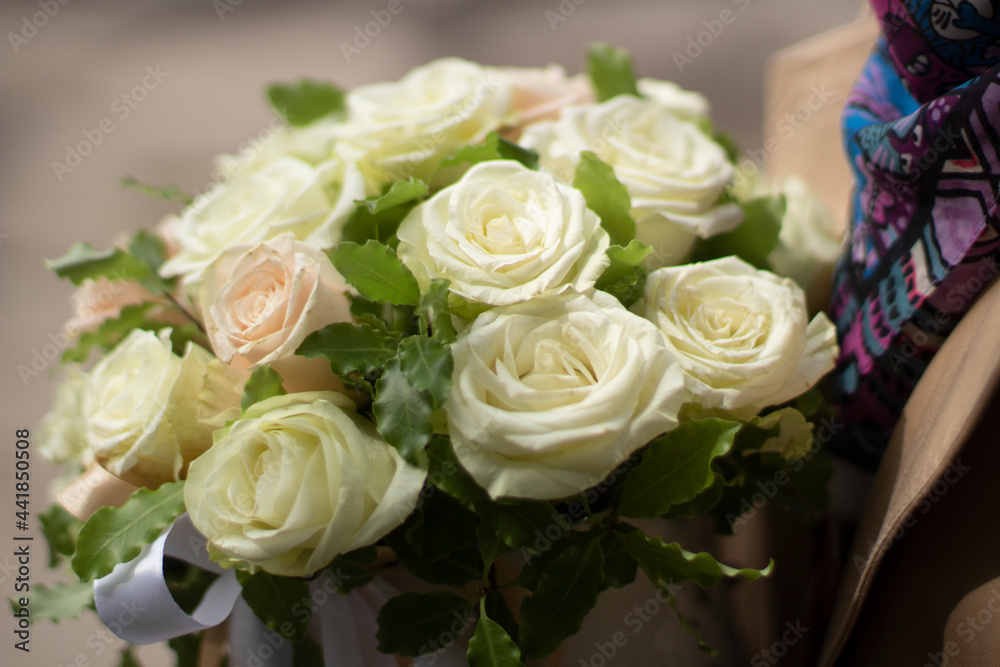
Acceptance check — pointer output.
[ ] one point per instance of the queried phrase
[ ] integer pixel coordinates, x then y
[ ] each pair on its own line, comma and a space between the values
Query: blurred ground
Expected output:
200, 67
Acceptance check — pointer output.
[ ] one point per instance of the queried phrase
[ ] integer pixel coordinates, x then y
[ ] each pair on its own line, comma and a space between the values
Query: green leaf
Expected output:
447, 527
610, 71
625, 277
493, 148
619, 566
408, 623
186, 649
491, 546
303, 102
403, 413
82, 262
377, 273
446, 473
434, 310
166, 192
525, 523
186, 583
350, 347
668, 564
128, 660
687, 626
149, 248
399, 193
456, 569
352, 570
427, 365
566, 592
606, 197
792, 435
59, 528
754, 238
308, 653
490, 645
700, 504
115, 535
676, 467
282, 603
498, 610
111, 331
264, 383
57, 602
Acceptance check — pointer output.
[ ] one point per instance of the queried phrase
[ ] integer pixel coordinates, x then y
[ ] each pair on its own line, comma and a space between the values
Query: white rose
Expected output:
260, 301
406, 128
144, 407
685, 104
809, 242
742, 336
550, 395
312, 143
540, 94
674, 173
505, 234
62, 433
296, 481
286, 195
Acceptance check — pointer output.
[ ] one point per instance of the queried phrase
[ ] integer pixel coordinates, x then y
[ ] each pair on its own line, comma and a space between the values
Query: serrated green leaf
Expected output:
59, 528
282, 603
116, 535
446, 473
403, 413
82, 262
610, 71
435, 312
165, 192
303, 102
676, 467
490, 645
427, 365
668, 564
377, 273
625, 277
565, 594
408, 623
493, 148
350, 347
58, 602
689, 627
606, 197
110, 332
352, 570
754, 238
399, 193
264, 383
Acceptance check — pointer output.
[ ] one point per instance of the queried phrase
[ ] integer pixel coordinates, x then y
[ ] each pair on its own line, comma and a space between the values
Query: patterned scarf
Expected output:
922, 132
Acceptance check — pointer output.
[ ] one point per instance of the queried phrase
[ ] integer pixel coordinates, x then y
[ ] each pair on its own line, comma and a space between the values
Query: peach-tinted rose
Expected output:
540, 93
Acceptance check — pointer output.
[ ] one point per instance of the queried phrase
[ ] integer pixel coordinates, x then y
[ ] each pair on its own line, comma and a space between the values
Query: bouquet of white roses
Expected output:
465, 325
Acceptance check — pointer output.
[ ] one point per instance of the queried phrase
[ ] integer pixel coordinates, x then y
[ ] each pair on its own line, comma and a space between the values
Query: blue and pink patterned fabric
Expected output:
922, 132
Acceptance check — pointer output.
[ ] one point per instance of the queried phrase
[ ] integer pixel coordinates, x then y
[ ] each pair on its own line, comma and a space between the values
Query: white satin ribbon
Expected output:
135, 603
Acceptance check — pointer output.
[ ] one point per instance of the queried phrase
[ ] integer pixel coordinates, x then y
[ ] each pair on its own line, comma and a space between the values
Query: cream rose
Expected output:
296, 481
549, 396
673, 171
809, 242
406, 128
685, 104
505, 234
259, 301
145, 407
540, 93
312, 143
742, 336
286, 195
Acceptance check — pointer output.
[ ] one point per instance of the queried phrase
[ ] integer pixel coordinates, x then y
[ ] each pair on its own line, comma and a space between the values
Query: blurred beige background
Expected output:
63, 74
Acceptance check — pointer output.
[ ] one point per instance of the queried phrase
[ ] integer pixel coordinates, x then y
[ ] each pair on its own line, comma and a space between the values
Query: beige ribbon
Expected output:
97, 488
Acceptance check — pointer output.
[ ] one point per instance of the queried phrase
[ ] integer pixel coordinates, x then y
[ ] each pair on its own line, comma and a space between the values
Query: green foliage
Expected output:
170, 193
625, 277
676, 467
458, 568
377, 273
427, 365
82, 262
57, 602
610, 71
754, 238
402, 412
493, 148
446, 526
186, 583
186, 649
490, 645
350, 347
408, 623
435, 314
282, 603
59, 528
353, 569
668, 564
264, 383
566, 592
303, 102
399, 193
116, 535
606, 197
